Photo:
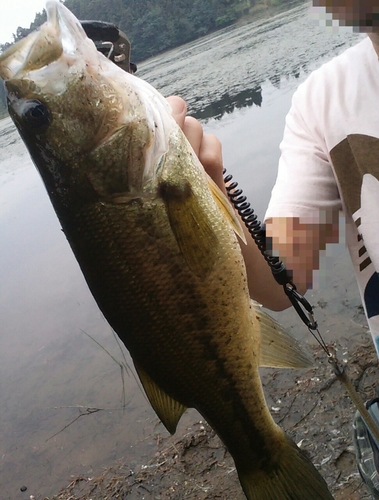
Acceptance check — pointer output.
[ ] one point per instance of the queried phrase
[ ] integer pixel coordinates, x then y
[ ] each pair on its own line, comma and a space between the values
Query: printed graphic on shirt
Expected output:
352, 158
356, 164
371, 297
369, 215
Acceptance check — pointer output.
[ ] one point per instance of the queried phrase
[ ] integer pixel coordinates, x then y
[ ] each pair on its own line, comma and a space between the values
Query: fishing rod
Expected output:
257, 230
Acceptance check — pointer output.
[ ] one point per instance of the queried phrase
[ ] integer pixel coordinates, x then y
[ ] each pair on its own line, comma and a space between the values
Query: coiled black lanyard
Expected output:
300, 303
258, 232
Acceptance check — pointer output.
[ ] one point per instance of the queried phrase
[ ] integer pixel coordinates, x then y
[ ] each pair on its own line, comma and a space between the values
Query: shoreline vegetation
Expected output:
161, 25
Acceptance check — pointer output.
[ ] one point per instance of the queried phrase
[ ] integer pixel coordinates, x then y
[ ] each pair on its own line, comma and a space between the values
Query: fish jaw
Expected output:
27, 54
49, 56
90, 105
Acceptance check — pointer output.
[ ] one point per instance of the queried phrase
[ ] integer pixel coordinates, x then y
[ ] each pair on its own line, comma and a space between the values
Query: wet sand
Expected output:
312, 407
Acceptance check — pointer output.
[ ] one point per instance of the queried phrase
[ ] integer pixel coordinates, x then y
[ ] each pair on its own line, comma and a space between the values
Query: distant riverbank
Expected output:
267, 9
156, 38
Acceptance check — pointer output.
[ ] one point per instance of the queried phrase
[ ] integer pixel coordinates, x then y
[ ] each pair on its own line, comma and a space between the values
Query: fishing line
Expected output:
300, 303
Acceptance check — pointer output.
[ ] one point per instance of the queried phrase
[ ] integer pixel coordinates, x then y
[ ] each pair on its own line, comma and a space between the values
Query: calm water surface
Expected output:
239, 82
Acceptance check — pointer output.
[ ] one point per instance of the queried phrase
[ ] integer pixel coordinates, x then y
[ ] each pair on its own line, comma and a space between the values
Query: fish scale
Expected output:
170, 323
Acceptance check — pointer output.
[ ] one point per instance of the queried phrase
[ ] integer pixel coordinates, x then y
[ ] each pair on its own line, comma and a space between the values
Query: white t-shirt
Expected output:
330, 160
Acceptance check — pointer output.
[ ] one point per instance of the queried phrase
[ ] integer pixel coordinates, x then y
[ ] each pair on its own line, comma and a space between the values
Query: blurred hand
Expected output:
206, 146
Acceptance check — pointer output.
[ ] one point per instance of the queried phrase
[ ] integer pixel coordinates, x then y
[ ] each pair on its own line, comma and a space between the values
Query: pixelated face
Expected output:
362, 14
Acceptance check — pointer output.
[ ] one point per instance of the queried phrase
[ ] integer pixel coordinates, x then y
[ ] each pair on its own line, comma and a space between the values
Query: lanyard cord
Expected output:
300, 303
258, 232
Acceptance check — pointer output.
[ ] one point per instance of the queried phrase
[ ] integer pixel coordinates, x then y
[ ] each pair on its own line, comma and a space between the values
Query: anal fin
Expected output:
168, 409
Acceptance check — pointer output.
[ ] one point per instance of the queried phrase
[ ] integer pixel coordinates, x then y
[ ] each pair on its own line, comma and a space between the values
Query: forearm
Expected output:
298, 244
262, 285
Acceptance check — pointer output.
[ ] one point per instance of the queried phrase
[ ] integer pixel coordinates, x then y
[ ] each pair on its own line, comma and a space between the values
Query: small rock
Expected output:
23, 488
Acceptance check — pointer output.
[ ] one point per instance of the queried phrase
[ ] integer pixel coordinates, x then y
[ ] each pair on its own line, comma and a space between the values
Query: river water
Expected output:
239, 82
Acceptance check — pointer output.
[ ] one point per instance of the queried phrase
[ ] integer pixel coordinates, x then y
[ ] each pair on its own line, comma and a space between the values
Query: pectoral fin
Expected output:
192, 229
226, 208
278, 348
168, 409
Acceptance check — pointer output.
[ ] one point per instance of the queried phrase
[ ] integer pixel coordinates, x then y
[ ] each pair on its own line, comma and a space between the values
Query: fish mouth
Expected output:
61, 34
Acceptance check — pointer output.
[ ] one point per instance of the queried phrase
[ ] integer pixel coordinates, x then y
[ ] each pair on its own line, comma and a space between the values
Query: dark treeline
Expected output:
154, 26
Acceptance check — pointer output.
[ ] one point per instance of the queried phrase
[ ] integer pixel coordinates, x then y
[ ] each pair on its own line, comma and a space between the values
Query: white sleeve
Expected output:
305, 184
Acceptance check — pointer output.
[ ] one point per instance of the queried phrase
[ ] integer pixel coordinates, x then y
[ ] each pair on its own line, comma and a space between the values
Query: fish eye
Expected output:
36, 113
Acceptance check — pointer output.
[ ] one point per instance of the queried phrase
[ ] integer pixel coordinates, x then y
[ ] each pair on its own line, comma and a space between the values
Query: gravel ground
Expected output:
312, 406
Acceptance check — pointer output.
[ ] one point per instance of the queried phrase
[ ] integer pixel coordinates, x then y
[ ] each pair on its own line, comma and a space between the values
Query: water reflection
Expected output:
228, 103
240, 59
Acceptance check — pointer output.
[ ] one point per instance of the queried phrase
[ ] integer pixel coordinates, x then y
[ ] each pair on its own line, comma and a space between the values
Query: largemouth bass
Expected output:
157, 243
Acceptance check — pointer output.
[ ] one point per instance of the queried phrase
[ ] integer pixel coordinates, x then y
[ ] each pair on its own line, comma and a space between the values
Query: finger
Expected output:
210, 155
193, 130
179, 109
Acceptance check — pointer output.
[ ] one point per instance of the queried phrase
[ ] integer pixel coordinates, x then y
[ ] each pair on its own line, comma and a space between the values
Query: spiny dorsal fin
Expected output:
168, 409
278, 348
226, 208
190, 224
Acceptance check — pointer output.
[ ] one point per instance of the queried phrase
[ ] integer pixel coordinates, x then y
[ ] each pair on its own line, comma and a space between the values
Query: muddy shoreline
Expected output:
311, 406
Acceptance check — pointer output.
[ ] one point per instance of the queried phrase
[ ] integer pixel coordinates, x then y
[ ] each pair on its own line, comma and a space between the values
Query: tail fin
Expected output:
294, 478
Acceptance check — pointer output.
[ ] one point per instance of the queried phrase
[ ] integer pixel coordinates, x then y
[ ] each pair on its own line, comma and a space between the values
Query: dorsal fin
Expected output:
226, 208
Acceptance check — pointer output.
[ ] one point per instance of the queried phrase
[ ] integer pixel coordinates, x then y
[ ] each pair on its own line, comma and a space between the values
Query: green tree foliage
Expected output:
154, 26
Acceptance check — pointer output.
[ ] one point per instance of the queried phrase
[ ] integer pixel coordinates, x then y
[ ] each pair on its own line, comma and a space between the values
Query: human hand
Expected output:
206, 146
263, 287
